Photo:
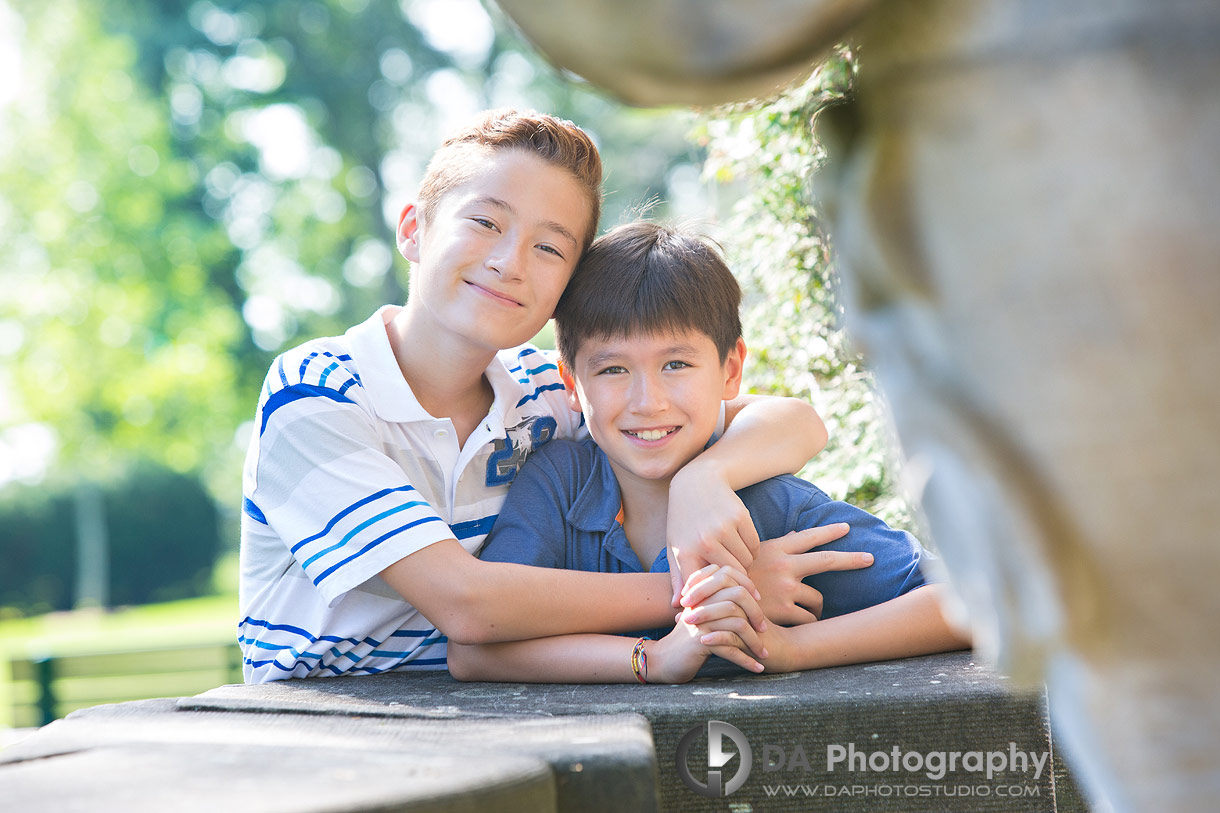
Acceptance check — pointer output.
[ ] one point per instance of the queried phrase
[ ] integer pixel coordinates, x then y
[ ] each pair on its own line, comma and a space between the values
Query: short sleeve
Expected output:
531, 529
345, 509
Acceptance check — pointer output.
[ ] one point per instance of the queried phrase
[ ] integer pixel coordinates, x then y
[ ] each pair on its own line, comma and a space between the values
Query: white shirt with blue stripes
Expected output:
346, 474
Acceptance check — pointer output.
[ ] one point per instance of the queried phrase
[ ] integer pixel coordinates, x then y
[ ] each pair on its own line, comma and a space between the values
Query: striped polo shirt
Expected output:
346, 474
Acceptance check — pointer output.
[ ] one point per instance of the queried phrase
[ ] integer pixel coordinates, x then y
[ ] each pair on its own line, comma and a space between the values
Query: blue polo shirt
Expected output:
561, 509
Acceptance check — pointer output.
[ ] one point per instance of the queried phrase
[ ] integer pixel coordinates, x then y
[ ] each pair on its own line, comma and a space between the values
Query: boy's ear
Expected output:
569, 384
734, 365
408, 232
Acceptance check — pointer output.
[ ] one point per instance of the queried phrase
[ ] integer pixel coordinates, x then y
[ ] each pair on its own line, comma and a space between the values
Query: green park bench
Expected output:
46, 688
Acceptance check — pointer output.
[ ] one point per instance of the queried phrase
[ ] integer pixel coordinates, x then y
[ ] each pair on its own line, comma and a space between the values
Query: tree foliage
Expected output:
115, 333
187, 189
778, 247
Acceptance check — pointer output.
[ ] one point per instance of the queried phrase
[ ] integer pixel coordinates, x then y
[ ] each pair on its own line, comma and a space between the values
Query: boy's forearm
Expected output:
909, 625
765, 437
561, 659
473, 601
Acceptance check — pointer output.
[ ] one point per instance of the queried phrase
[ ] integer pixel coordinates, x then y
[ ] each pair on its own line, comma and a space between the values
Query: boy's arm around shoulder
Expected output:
764, 436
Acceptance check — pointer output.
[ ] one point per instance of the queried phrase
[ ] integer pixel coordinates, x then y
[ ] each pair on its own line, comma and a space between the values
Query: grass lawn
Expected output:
208, 620
197, 620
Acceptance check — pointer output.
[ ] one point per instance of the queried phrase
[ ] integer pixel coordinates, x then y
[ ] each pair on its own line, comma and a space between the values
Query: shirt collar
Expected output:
391, 395
507, 389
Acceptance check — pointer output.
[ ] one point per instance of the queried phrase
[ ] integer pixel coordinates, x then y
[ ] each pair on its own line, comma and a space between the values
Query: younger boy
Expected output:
649, 333
381, 457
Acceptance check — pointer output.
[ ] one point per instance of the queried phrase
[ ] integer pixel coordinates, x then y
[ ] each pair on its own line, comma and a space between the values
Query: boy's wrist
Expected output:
702, 468
655, 652
661, 662
779, 652
656, 666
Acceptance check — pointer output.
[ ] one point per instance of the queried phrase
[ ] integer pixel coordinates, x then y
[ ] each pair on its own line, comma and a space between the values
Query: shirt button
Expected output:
440, 433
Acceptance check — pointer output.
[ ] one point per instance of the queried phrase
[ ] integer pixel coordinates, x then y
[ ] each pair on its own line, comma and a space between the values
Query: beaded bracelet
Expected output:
639, 661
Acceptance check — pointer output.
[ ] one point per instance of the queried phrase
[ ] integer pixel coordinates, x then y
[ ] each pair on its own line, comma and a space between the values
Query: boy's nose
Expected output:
648, 396
507, 258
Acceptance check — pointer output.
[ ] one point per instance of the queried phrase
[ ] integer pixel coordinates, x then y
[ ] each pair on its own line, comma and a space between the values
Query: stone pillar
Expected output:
1026, 206
1028, 212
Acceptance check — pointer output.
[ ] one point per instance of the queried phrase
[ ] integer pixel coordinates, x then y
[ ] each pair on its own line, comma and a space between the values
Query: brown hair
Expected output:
649, 278
556, 141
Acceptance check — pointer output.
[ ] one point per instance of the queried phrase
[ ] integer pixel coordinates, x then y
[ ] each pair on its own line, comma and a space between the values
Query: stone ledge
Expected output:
435, 695
588, 747
226, 759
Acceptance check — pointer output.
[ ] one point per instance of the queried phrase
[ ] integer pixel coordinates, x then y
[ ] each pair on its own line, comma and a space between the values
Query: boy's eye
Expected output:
551, 250
611, 370
675, 365
484, 222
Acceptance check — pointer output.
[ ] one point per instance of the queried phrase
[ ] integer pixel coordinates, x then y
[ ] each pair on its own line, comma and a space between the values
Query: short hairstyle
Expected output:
557, 141
649, 278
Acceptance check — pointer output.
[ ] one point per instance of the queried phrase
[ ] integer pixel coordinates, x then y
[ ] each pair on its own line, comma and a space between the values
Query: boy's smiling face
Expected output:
495, 254
651, 401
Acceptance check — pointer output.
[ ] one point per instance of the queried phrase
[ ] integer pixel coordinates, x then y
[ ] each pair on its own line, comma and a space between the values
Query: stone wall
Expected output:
422, 741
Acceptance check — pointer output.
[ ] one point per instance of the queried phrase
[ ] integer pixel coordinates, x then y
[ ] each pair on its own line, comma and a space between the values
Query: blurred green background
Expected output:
186, 189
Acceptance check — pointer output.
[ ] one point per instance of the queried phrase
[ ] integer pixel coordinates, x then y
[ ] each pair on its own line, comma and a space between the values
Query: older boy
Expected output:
649, 333
381, 457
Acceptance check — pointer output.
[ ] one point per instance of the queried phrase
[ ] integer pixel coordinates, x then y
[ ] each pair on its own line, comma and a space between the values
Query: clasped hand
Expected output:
742, 617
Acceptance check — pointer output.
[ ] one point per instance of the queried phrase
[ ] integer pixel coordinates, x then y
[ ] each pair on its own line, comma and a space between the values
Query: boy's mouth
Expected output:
651, 434
494, 294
